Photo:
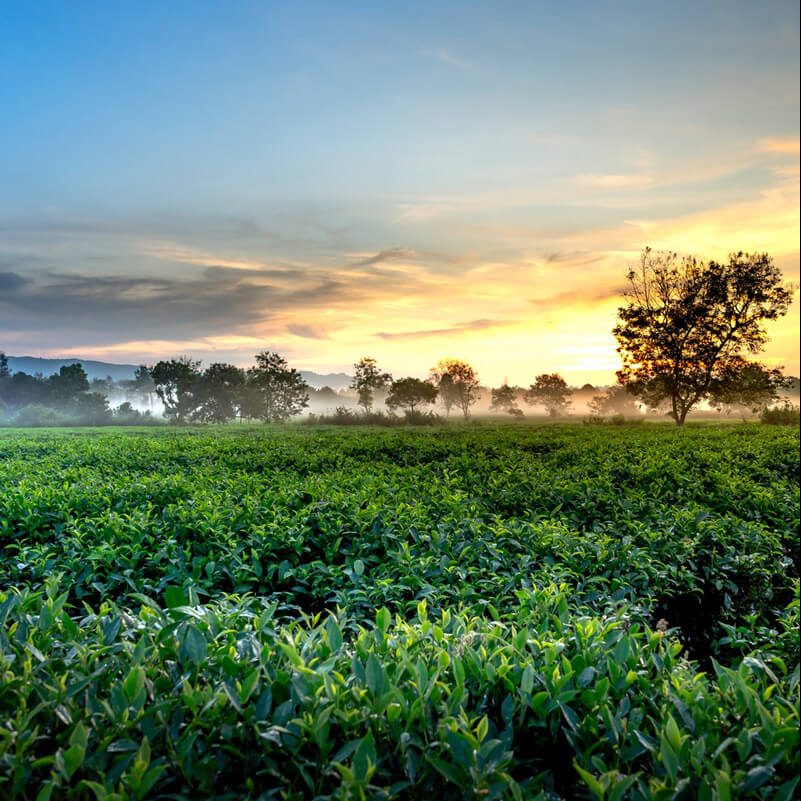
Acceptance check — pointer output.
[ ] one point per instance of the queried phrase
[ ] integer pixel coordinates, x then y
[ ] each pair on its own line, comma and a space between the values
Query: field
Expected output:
496, 612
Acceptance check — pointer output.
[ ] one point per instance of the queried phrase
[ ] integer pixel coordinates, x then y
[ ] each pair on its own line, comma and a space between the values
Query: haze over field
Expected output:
409, 181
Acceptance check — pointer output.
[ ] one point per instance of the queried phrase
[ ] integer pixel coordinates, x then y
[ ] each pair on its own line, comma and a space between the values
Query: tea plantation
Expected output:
510, 612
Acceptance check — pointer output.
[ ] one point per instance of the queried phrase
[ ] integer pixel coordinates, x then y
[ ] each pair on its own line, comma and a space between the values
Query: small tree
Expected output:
687, 322
177, 384
278, 391
4, 371
458, 385
367, 379
746, 387
504, 399
551, 391
409, 393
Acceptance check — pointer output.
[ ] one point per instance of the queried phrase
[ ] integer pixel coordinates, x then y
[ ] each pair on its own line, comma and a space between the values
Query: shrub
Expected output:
784, 415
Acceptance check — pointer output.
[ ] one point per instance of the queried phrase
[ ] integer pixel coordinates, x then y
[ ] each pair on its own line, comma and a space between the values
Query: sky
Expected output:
407, 181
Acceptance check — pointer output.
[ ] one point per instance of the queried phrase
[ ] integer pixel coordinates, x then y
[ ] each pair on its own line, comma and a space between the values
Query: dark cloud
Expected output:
391, 254
306, 331
10, 282
577, 258
459, 328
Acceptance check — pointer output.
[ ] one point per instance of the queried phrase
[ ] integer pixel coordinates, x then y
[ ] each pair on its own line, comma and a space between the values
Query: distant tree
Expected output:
278, 392
4, 371
325, 395
90, 408
66, 385
504, 399
409, 393
367, 379
22, 389
177, 384
616, 400
551, 391
220, 393
457, 383
686, 322
746, 387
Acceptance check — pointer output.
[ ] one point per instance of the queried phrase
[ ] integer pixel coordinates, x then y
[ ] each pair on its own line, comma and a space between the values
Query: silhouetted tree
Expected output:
367, 379
4, 371
409, 393
90, 408
504, 399
551, 391
220, 393
66, 385
686, 322
457, 383
278, 392
746, 387
141, 387
177, 384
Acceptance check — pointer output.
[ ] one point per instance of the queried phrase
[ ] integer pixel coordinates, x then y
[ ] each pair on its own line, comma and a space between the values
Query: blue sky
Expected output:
407, 181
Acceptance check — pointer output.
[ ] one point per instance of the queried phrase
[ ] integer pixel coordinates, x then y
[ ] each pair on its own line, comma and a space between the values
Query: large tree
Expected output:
276, 391
551, 391
458, 385
686, 322
177, 384
367, 379
409, 393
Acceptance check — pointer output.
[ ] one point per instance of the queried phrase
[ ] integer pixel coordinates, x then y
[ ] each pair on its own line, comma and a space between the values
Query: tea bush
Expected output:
465, 612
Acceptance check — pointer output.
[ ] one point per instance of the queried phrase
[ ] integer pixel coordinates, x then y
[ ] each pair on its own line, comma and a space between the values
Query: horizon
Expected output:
403, 183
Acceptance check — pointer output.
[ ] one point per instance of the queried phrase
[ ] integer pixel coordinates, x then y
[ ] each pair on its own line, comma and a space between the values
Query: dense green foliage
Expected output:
513, 612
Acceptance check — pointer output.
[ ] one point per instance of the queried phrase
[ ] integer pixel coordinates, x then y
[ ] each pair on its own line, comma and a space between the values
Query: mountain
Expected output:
125, 372
35, 364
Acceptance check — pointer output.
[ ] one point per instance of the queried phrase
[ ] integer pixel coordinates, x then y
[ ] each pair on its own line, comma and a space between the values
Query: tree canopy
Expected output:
687, 322
279, 391
409, 393
458, 385
551, 391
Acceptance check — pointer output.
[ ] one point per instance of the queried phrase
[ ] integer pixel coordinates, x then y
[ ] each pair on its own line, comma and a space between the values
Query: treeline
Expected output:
271, 391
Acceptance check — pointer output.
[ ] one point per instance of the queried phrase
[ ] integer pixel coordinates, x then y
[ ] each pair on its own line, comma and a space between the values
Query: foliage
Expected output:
746, 387
177, 384
367, 379
784, 415
615, 401
501, 612
458, 385
279, 391
220, 394
504, 399
551, 391
686, 323
409, 393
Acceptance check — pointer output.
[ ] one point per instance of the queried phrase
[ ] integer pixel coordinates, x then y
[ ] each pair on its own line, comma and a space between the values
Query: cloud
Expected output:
447, 57
788, 145
307, 331
459, 328
10, 282
577, 298
391, 254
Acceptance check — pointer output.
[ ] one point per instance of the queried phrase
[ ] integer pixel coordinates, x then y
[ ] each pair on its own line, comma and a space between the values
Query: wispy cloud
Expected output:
459, 328
445, 56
